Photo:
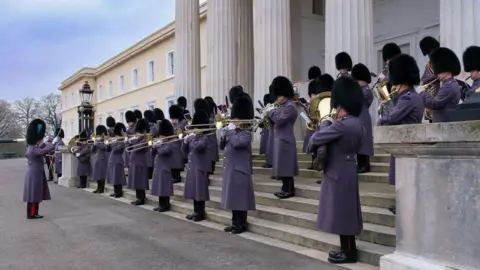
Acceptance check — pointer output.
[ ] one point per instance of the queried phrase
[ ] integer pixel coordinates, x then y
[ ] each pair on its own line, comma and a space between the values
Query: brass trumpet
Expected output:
263, 112
432, 91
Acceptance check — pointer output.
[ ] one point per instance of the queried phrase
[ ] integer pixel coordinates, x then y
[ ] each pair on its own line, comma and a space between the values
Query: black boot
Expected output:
240, 224
199, 215
102, 186
213, 166
117, 191
150, 172
195, 209
140, 194
288, 188
165, 205
32, 211
156, 209
83, 182
176, 178
99, 187
347, 253
363, 163
230, 227
267, 166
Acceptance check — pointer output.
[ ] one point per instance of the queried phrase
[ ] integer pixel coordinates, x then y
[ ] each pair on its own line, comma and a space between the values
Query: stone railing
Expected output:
69, 168
437, 194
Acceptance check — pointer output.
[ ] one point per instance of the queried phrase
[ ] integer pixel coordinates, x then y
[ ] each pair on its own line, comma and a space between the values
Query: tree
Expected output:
51, 111
9, 127
26, 110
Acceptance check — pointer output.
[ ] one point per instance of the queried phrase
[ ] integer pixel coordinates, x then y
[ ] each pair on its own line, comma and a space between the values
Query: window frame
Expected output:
99, 92
151, 71
121, 83
170, 66
134, 78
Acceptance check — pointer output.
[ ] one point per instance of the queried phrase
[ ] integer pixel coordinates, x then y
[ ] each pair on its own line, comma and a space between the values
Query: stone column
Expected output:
437, 194
187, 50
459, 24
69, 169
272, 43
246, 51
349, 28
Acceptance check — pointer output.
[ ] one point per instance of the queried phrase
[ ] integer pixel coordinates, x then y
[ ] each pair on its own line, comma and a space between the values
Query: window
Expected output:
121, 116
318, 7
169, 101
170, 64
151, 71
110, 89
72, 99
65, 102
99, 120
150, 105
99, 92
120, 84
134, 79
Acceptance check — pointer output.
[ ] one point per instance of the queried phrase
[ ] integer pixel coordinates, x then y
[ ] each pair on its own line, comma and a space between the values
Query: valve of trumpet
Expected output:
219, 124
150, 143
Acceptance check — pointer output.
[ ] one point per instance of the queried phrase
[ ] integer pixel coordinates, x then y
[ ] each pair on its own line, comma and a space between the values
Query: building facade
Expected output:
249, 42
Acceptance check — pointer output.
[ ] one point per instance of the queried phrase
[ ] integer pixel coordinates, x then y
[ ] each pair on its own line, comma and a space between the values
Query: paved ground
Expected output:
85, 231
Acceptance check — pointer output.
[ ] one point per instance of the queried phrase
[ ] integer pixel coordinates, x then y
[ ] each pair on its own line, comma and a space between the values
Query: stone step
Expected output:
380, 158
374, 166
302, 213
369, 253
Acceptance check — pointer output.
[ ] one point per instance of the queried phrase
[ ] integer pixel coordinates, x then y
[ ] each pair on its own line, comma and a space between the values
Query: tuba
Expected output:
380, 91
319, 109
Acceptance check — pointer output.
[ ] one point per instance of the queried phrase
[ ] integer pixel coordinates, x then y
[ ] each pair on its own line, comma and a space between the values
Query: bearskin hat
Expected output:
119, 129
282, 86
110, 122
149, 116
101, 130
159, 115
403, 69
212, 104
360, 72
242, 108
138, 114
201, 104
165, 128
59, 133
314, 72
83, 136
234, 91
445, 60
312, 87
347, 94
200, 118
142, 126
267, 99
176, 112
182, 101
390, 50
428, 44
324, 83
130, 117
471, 59
35, 131
343, 61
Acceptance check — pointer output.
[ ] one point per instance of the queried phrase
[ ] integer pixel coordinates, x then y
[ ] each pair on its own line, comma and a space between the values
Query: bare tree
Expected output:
9, 127
51, 111
26, 110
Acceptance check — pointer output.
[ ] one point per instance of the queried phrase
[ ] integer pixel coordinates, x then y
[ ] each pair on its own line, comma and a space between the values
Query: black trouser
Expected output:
117, 189
140, 194
32, 209
213, 166
50, 169
176, 175
199, 207
164, 202
363, 160
288, 184
348, 245
83, 182
150, 172
101, 186
239, 219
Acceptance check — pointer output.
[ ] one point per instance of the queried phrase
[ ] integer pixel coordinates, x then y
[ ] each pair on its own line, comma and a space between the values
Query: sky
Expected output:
43, 42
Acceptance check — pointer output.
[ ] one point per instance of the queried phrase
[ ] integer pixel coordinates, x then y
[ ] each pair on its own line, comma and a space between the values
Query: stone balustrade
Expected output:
69, 168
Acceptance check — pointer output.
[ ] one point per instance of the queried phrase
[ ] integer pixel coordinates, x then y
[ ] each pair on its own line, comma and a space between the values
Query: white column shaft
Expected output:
349, 28
272, 38
187, 50
245, 68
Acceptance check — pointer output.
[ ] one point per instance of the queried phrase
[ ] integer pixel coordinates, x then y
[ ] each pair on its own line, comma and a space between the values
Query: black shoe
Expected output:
176, 181
274, 177
156, 209
189, 217
138, 202
228, 228
198, 217
284, 195
393, 209
117, 195
55, 182
310, 168
164, 209
363, 170
112, 195
96, 191
267, 166
341, 257
35, 217
238, 230
319, 181
49, 180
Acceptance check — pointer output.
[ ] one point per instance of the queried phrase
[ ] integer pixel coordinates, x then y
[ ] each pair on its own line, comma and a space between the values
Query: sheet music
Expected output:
305, 117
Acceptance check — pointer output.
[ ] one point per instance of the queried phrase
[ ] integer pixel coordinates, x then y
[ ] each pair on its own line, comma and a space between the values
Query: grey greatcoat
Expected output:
138, 170
162, 184
263, 141
58, 156
237, 184
177, 155
306, 140
126, 158
35, 188
407, 110
445, 100
116, 165
149, 155
285, 163
339, 211
101, 161
270, 144
367, 146
473, 88
196, 182
84, 166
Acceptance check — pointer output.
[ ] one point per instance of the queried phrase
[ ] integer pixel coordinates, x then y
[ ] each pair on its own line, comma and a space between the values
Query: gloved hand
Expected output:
77, 154
330, 119
231, 126
46, 139
55, 140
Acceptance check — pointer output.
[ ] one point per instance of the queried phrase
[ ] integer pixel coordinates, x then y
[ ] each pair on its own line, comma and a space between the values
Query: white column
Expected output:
459, 24
187, 50
69, 169
245, 69
272, 38
349, 28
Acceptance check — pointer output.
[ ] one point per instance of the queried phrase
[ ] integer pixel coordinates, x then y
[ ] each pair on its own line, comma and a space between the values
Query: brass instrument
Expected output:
263, 112
199, 131
380, 91
245, 124
431, 89
151, 143
319, 109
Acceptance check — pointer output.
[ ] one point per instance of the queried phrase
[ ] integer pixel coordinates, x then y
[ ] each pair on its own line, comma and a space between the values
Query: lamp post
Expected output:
85, 110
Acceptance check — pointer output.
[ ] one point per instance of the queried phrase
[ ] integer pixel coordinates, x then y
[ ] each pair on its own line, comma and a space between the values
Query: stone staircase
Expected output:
290, 223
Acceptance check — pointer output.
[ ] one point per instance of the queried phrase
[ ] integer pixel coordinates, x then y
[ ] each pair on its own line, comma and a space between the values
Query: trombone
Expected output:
150, 141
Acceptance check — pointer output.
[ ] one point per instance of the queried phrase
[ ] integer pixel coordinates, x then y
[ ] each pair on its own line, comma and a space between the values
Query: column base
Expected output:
401, 262
68, 182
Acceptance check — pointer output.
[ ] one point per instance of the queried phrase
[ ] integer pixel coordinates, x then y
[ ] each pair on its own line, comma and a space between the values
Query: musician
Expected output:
150, 117
212, 139
271, 137
237, 184
162, 185
312, 92
35, 188
138, 114
339, 207
362, 75
471, 64
403, 75
196, 182
182, 102
285, 163
389, 51
179, 123
84, 166
58, 142
446, 66
131, 119
100, 165
159, 115
116, 165
234, 92
138, 170
427, 46
343, 63
314, 72
264, 133
110, 126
